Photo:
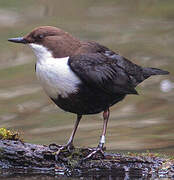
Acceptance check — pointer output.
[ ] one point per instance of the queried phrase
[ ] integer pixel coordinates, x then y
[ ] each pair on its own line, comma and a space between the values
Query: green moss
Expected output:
9, 134
75, 157
168, 160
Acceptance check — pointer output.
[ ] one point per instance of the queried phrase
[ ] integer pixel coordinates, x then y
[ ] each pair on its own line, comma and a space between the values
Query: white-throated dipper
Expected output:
82, 77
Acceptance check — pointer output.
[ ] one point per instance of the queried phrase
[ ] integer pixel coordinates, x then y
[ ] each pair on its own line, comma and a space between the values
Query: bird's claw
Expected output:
54, 147
94, 152
59, 148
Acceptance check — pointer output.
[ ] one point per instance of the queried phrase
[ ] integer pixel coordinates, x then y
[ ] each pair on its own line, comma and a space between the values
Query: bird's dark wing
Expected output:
135, 73
100, 71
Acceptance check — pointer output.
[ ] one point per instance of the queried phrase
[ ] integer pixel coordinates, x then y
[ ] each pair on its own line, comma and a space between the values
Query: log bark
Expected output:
20, 157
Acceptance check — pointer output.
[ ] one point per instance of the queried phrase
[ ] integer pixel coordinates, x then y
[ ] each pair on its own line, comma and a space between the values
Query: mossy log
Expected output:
19, 157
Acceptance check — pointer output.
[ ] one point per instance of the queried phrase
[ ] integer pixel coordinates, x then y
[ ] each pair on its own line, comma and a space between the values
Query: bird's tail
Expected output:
147, 72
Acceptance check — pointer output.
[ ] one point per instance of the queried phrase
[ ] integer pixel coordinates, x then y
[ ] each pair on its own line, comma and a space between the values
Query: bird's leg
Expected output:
102, 138
69, 144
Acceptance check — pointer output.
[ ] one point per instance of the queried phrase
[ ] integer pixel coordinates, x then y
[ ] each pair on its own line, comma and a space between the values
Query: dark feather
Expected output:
102, 68
99, 71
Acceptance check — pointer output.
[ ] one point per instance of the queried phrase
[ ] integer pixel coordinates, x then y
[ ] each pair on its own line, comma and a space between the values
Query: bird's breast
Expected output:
56, 77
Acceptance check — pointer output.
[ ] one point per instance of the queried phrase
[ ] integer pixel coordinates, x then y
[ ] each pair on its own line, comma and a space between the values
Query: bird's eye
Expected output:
40, 36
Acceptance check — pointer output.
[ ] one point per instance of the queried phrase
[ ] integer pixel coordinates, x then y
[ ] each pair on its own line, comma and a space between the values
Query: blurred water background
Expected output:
142, 31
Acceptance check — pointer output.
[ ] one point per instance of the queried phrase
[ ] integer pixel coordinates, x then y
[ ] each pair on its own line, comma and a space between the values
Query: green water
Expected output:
140, 30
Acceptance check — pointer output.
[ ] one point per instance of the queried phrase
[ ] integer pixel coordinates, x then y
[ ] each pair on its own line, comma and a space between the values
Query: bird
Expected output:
82, 77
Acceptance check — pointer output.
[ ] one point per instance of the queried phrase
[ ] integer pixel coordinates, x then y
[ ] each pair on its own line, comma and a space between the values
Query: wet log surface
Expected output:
18, 157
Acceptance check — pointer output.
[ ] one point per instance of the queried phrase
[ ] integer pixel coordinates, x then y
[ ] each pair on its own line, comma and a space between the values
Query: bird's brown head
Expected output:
57, 41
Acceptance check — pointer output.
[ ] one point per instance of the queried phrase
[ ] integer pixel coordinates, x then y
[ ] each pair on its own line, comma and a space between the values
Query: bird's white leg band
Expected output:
102, 139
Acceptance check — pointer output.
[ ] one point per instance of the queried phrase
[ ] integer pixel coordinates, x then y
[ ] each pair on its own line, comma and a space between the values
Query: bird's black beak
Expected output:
18, 40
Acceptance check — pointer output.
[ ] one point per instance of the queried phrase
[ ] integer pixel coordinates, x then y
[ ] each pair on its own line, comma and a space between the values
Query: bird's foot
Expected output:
58, 149
97, 152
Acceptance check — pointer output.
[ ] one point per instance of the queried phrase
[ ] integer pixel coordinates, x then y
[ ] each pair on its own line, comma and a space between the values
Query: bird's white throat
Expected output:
40, 51
54, 74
